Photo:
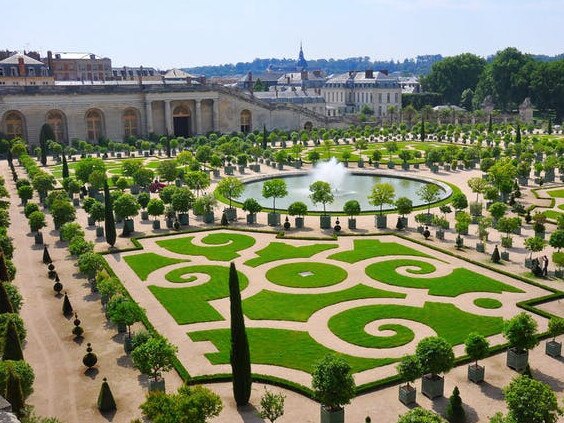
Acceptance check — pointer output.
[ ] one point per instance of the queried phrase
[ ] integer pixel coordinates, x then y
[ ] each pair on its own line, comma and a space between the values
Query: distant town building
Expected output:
347, 93
19, 69
266, 79
127, 73
79, 66
303, 80
308, 99
409, 84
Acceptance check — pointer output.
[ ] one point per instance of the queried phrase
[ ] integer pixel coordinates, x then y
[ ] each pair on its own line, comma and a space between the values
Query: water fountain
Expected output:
331, 171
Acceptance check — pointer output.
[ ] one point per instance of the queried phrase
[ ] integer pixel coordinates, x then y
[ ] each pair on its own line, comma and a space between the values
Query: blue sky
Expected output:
174, 33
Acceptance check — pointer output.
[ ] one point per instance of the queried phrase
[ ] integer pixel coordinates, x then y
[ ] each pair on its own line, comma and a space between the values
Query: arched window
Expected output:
14, 125
308, 125
181, 111
57, 121
130, 123
246, 121
94, 125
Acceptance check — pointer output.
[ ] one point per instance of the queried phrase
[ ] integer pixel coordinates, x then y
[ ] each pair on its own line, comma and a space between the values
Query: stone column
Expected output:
149, 116
198, 117
168, 118
216, 115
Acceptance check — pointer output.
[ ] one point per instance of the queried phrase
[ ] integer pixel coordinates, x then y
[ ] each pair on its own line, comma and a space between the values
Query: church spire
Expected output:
302, 63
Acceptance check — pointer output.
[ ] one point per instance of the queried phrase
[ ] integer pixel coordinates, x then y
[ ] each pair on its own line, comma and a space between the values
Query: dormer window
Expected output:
14, 71
30, 71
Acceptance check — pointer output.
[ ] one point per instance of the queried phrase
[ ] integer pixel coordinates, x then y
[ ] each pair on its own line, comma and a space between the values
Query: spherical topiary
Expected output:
58, 287
77, 330
90, 359
67, 307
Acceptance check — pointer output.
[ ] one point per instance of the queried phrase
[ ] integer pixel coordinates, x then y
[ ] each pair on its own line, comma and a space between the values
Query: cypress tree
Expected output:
109, 223
422, 129
264, 137
4, 274
455, 412
12, 346
518, 134
5, 303
65, 167
45, 135
14, 394
67, 307
167, 145
106, 402
240, 355
46, 256
549, 126
490, 125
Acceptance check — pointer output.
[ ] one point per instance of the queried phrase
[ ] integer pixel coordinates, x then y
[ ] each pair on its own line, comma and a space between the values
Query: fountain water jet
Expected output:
330, 171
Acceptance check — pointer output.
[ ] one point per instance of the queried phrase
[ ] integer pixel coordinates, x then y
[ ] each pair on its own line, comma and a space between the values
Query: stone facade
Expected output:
79, 66
114, 111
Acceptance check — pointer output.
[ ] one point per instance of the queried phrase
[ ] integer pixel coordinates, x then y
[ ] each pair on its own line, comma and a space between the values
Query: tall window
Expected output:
14, 125
56, 120
388, 97
94, 125
397, 98
246, 121
130, 123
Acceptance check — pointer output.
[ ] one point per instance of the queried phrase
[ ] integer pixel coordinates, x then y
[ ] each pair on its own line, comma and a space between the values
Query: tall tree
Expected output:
14, 394
12, 346
240, 354
45, 135
65, 166
109, 222
5, 303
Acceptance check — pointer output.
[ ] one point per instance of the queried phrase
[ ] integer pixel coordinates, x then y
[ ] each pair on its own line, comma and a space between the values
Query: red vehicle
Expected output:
156, 186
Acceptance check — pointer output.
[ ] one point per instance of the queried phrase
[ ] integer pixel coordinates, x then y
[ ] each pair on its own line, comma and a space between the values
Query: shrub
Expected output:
531, 401
154, 356
143, 199
30, 208
455, 412
70, 230
435, 355
139, 338
90, 263
13, 293
36, 221
420, 415
25, 192
108, 287
297, 208
78, 246
87, 203
62, 212
333, 383
251, 206
23, 370
18, 322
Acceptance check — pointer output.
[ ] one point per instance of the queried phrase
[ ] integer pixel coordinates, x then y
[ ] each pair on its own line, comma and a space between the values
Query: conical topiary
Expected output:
399, 224
77, 330
106, 402
67, 307
224, 220
46, 256
4, 274
455, 412
496, 258
5, 303
14, 394
90, 359
12, 346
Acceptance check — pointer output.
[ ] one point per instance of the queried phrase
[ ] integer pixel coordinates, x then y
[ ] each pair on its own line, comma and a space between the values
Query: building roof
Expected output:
75, 56
15, 58
290, 96
263, 76
296, 77
448, 107
360, 77
177, 74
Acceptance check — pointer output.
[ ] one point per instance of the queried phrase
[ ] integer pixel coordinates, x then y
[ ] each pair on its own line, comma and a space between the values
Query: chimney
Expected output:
188, 80
57, 56
384, 71
288, 80
92, 56
50, 62
369, 74
250, 77
21, 66
140, 75
304, 75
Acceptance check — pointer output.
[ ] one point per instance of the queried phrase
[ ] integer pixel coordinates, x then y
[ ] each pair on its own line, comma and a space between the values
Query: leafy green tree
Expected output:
420, 415
529, 400
85, 167
143, 177
274, 188
230, 187
182, 200
476, 346
251, 206
351, 208
130, 167
555, 327
557, 239
156, 207
37, 221
240, 356
271, 406
459, 201
97, 212
25, 192
321, 193
127, 313
429, 193
97, 179
297, 208
43, 182
167, 170
62, 212
90, 264
127, 206
534, 244
154, 357
477, 185
71, 229
435, 355
382, 194
409, 368
520, 331
502, 174
332, 382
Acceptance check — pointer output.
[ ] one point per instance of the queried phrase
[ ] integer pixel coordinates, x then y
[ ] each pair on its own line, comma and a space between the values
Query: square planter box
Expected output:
169, 223
352, 223
391, 165
405, 221
38, 238
75, 202
480, 247
280, 166
231, 213
325, 222
99, 232
273, 219
440, 234
553, 348
416, 165
251, 219
91, 222
157, 385
156, 224
134, 189
129, 225
144, 215
516, 360
381, 221
228, 170
332, 416
523, 181
216, 173
432, 387
528, 263
360, 165
405, 166
183, 219
208, 217
505, 255
476, 373
241, 169
299, 222
407, 394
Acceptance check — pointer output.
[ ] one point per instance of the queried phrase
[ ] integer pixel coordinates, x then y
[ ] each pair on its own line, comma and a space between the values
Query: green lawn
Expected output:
368, 248
296, 275
552, 214
280, 347
223, 246
146, 263
269, 305
282, 251
487, 303
556, 193
190, 304
460, 281
446, 320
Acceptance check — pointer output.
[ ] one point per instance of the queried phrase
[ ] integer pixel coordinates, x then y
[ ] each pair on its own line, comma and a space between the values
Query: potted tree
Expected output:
520, 332
182, 201
252, 207
126, 313
230, 188
274, 188
36, 223
429, 193
321, 193
404, 206
556, 240
553, 348
156, 208
153, 357
333, 387
143, 199
435, 356
476, 347
533, 244
409, 370
352, 209
381, 194
98, 214
507, 225
25, 192
203, 206
298, 209
126, 206
558, 260
405, 156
